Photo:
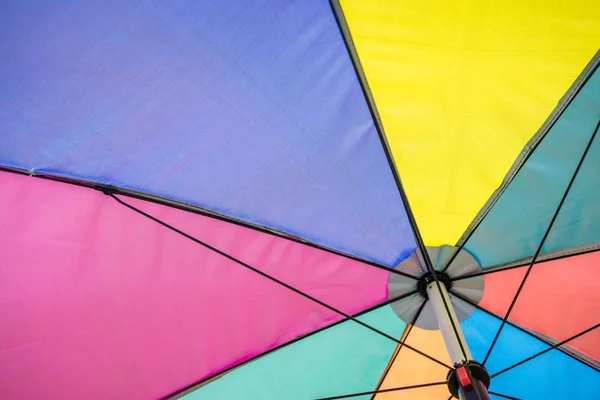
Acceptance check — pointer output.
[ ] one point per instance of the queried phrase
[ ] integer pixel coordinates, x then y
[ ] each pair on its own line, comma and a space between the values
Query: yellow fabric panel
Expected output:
411, 368
461, 86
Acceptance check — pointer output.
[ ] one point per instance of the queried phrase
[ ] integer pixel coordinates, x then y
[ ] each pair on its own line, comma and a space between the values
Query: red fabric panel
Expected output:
560, 299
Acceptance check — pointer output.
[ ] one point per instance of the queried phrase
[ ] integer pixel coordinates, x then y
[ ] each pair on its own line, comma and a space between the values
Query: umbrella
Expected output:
299, 200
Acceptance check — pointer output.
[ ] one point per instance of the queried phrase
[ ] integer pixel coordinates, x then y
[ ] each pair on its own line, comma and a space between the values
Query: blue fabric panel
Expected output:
553, 375
249, 108
343, 359
514, 227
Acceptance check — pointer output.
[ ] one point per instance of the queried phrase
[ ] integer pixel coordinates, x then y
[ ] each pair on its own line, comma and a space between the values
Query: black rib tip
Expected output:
106, 189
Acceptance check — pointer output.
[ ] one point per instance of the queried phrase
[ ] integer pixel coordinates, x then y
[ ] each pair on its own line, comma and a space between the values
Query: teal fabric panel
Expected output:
343, 359
579, 219
514, 227
553, 375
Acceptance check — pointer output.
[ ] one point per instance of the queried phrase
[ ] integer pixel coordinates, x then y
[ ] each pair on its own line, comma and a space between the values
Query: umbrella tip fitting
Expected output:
107, 190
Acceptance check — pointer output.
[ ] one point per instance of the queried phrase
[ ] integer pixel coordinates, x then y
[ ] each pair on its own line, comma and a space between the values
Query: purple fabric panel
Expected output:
97, 301
248, 108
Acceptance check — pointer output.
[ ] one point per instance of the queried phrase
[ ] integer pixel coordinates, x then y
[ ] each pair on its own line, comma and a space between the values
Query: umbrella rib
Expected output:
516, 326
543, 241
347, 36
503, 396
281, 346
545, 351
271, 278
201, 211
567, 99
515, 264
349, 43
396, 389
410, 326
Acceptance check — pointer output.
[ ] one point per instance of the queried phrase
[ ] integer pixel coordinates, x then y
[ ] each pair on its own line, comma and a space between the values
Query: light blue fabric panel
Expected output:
248, 108
343, 359
553, 375
514, 227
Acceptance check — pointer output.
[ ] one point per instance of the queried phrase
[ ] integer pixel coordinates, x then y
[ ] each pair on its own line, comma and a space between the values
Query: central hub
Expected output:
428, 278
412, 285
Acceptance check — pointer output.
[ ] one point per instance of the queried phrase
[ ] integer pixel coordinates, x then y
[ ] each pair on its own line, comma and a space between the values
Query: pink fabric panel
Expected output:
98, 302
560, 299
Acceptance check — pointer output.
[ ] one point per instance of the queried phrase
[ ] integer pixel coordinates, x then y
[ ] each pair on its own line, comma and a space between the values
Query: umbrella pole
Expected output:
468, 380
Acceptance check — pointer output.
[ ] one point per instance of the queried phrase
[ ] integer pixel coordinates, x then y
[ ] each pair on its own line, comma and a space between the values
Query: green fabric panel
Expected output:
514, 227
343, 359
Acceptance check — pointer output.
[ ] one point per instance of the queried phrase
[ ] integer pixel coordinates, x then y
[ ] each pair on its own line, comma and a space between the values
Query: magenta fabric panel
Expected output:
97, 301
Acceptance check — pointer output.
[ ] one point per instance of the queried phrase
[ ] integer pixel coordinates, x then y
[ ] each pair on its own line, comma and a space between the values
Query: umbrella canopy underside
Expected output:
204, 200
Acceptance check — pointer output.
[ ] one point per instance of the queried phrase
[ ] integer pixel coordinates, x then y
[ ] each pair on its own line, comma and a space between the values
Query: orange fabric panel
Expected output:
411, 368
560, 299
393, 357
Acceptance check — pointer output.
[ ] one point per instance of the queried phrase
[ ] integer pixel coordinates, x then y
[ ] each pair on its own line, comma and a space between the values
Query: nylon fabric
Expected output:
553, 375
100, 302
578, 222
462, 86
343, 359
410, 368
559, 299
250, 109
523, 212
